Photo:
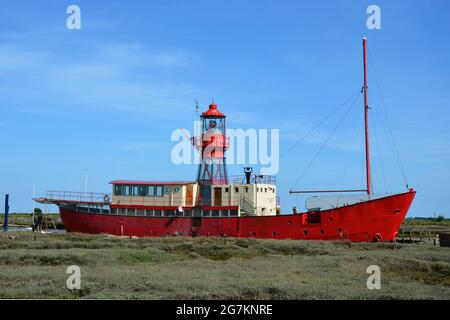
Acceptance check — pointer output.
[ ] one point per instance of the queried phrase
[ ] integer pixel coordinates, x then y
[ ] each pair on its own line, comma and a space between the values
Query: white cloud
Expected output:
109, 76
137, 55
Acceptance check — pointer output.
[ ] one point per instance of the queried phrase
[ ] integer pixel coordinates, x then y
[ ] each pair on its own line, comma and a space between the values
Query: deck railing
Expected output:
75, 196
254, 179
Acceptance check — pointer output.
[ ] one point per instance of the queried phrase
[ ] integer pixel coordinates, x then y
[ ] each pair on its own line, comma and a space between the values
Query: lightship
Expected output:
218, 205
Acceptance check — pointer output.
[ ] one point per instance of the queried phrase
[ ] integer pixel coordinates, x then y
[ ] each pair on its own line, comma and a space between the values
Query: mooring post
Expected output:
5, 224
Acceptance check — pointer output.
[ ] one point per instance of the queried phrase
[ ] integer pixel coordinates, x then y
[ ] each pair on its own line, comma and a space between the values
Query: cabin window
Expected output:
246, 189
170, 213
140, 212
206, 213
265, 190
215, 213
167, 190
226, 189
159, 191
142, 191
233, 212
134, 190
188, 213
121, 211
224, 213
151, 191
125, 190
117, 190
149, 212
158, 213
236, 189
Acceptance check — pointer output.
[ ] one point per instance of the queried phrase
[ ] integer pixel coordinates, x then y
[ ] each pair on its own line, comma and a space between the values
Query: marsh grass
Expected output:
34, 266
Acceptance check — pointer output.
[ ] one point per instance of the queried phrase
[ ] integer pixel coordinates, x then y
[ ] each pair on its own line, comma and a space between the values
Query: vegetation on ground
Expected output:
34, 266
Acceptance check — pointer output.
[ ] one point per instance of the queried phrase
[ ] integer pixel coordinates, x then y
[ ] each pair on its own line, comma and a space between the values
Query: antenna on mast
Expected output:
196, 106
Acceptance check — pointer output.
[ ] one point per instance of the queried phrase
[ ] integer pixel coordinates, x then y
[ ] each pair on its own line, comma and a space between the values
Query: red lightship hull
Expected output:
373, 220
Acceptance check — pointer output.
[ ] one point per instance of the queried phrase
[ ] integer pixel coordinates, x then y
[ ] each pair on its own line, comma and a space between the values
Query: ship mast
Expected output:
366, 119
368, 189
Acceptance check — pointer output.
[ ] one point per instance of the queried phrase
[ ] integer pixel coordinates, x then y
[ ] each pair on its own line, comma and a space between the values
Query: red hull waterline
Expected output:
373, 220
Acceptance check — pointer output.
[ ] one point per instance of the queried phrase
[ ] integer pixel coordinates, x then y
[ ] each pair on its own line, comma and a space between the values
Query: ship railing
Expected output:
254, 179
76, 196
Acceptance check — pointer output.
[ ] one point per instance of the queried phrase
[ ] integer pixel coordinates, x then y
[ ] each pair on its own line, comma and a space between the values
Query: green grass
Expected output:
25, 220
34, 266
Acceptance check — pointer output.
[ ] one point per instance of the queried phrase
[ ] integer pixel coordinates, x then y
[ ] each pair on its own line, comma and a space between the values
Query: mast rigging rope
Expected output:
391, 135
327, 140
319, 124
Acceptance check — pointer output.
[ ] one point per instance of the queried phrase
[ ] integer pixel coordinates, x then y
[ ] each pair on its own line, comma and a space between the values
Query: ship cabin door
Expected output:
189, 194
217, 196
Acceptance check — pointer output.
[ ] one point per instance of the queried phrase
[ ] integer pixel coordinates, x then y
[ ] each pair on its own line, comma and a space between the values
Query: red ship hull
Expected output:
373, 220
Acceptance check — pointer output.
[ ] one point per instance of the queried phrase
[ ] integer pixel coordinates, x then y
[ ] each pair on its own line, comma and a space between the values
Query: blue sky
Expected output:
107, 97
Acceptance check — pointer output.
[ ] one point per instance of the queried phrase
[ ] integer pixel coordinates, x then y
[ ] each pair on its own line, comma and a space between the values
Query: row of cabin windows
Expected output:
236, 189
140, 190
171, 213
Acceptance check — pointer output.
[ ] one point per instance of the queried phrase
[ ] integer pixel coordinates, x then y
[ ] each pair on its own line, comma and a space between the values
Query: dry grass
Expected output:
34, 266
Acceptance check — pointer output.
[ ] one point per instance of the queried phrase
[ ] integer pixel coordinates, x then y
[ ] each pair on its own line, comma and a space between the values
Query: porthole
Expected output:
305, 232
322, 232
330, 219
177, 189
290, 221
339, 229
274, 233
